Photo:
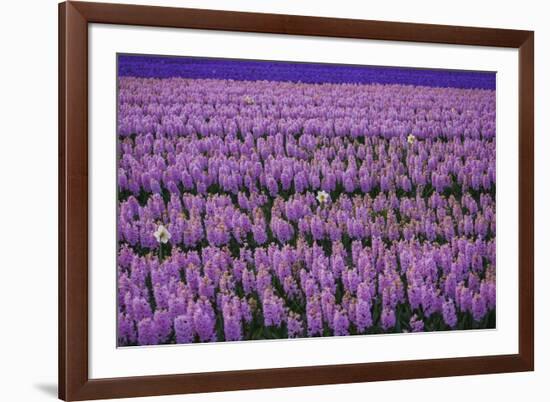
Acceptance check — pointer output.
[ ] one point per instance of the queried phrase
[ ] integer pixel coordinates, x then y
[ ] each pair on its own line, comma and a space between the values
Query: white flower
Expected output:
411, 138
248, 100
323, 197
162, 234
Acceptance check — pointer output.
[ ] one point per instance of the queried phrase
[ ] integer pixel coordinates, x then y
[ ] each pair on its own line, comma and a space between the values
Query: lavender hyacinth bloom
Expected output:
479, 307
126, 332
449, 313
282, 230
163, 324
340, 323
488, 292
464, 297
363, 315
273, 308
147, 332
317, 228
183, 326
295, 326
204, 321
232, 321
314, 317
416, 324
388, 318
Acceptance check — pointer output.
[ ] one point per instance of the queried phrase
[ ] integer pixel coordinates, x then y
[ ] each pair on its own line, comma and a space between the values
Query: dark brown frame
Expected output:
74, 17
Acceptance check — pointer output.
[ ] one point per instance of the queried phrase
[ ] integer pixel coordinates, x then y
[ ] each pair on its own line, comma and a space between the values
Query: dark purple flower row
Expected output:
314, 73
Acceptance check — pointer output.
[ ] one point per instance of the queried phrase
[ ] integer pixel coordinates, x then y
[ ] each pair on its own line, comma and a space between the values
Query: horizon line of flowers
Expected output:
256, 70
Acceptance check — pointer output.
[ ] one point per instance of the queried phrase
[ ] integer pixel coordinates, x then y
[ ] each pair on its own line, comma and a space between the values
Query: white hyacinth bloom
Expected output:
411, 138
162, 234
323, 197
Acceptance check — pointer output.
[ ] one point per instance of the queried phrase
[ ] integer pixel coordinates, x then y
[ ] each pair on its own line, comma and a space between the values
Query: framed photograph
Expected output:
259, 200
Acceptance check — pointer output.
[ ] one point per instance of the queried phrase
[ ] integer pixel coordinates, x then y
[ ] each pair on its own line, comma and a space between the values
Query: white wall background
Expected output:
28, 198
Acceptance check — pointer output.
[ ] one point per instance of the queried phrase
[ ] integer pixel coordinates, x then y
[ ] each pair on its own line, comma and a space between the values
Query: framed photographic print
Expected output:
259, 200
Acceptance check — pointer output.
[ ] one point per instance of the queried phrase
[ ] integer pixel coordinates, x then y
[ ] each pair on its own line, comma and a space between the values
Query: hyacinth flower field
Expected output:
269, 200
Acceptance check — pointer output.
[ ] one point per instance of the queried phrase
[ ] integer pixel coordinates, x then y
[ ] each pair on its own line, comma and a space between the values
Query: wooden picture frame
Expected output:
74, 381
